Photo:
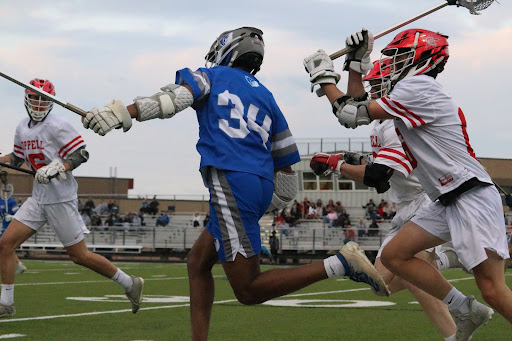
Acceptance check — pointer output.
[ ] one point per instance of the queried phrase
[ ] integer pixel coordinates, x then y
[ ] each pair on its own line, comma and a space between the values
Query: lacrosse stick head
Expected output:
414, 52
37, 106
242, 45
376, 79
474, 6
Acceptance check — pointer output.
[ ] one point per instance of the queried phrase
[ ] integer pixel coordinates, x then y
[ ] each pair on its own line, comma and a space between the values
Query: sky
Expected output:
95, 51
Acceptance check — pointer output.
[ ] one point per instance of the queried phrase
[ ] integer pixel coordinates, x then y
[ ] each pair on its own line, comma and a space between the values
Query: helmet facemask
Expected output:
37, 106
376, 80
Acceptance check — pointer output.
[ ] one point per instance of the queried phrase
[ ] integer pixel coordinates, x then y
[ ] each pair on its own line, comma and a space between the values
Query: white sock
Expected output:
457, 301
123, 279
443, 262
334, 267
450, 338
7, 296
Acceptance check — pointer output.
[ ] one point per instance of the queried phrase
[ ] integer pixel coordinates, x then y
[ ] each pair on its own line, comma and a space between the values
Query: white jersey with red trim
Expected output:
432, 129
387, 150
39, 144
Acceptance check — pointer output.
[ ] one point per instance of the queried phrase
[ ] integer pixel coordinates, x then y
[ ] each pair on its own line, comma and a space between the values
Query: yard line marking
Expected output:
104, 281
11, 336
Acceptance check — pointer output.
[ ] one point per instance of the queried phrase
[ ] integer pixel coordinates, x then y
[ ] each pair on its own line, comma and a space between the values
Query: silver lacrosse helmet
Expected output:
242, 44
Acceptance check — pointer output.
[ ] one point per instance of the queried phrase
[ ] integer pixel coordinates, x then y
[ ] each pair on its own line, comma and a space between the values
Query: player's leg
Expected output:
70, 229
490, 279
13, 237
200, 261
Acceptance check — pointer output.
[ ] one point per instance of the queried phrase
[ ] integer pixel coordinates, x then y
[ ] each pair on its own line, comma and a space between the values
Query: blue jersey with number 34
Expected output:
241, 128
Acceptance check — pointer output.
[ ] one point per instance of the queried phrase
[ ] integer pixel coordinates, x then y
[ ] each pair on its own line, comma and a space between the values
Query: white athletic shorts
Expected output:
473, 223
403, 215
63, 218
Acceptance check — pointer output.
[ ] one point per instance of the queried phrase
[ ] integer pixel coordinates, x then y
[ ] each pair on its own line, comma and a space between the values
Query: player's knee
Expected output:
388, 259
490, 290
247, 298
78, 258
6, 248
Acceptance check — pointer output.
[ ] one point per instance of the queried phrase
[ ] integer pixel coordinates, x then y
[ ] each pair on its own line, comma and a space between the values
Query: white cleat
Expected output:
7, 310
467, 324
359, 268
20, 268
135, 294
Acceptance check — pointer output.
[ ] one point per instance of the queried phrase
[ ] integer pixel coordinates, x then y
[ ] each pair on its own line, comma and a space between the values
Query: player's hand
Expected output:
325, 164
111, 116
54, 170
8, 217
320, 69
359, 58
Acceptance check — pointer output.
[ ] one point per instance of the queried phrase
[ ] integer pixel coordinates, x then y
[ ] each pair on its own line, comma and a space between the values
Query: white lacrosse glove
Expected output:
112, 116
8, 217
54, 170
320, 69
359, 58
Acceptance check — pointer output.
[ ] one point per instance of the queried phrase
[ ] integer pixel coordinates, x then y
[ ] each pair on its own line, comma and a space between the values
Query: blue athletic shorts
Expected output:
237, 202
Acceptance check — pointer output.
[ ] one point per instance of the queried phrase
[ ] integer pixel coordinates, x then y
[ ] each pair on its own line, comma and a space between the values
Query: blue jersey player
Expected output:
8, 207
246, 153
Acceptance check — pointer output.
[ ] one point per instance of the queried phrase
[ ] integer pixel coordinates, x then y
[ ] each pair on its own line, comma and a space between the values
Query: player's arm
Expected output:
12, 159
355, 167
285, 188
165, 104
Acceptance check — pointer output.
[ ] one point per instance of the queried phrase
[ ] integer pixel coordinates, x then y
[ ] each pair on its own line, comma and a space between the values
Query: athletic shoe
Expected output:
467, 324
135, 295
20, 268
7, 310
359, 268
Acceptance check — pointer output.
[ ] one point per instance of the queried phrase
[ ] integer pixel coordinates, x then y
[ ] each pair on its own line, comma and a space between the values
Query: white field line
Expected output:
11, 336
178, 305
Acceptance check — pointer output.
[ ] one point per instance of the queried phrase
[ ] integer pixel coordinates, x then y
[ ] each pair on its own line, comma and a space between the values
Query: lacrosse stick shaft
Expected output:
23, 170
500, 189
395, 27
46, 95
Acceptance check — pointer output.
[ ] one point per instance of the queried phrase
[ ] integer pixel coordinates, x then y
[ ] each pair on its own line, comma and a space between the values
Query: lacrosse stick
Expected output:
23, 170
46, 95
474, 7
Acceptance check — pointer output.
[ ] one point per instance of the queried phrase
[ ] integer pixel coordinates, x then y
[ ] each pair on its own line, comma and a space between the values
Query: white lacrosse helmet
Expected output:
6, 191
230, 46
37, 106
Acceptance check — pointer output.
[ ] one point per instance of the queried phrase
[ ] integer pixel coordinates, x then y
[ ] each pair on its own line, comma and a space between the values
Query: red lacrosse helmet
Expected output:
415, 52
37, 106
377, 78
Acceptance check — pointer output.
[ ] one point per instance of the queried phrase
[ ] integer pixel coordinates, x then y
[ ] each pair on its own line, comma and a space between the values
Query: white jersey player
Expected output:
52, 148
466, 207
391, 171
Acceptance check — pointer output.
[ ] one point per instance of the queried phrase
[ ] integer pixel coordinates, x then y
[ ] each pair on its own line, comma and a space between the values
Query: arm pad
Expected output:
377, 175
285, 189
350, 112
166, 104
78, 157
16, 161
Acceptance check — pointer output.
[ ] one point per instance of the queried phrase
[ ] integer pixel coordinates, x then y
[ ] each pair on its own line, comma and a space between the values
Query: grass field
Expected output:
57, 300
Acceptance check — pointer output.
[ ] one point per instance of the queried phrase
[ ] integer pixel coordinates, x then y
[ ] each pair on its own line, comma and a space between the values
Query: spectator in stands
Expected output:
295, 211
338, 207
289, 219
196, 219
101, 208
80, 206
330, 218
136, 221
312, 212
128, 218
144, 206
153, 206
374, 214
273, 241
304, 208
110, 221
206, 219
96, 221
114, 208
86, 218
163, 220
370, 205
349, 233
118, 221
89, 206
373, 229
384, 210
320, 208
330, 207
361, 227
